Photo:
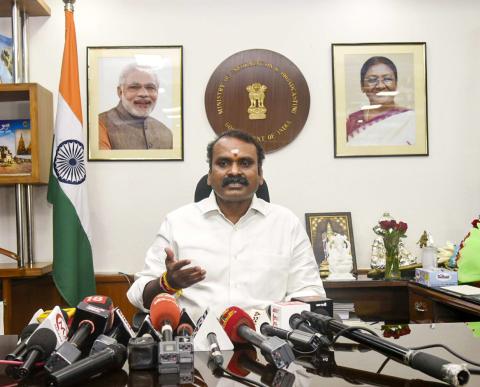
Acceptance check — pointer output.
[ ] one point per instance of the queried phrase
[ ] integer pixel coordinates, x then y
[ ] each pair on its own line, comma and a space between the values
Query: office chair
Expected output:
203, 190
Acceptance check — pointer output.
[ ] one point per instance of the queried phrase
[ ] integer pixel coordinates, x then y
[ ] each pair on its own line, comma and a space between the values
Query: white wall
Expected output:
439, 193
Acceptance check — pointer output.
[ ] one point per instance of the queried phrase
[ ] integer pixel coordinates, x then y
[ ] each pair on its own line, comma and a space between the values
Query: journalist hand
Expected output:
180, 278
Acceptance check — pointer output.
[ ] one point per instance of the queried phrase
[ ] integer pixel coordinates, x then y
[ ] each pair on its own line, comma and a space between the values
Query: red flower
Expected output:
387, 224
475, 223
402, 226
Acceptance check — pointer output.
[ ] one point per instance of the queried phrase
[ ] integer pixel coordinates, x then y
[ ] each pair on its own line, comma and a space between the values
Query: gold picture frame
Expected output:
380, 99
108, 117
318, 224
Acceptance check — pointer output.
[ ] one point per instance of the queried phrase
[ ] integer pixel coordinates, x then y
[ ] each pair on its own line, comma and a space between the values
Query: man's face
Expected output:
379, 78
139, 93
234, 175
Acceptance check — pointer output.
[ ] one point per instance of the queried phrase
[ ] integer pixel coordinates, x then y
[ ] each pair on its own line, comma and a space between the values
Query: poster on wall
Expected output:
380, 99
135, 103
6, 59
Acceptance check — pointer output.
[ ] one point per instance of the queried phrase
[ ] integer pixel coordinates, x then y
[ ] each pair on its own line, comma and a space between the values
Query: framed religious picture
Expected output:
380, 99
135, 103
331, 235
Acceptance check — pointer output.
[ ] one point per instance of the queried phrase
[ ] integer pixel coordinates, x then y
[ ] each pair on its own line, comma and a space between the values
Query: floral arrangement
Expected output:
391, 231
396, 330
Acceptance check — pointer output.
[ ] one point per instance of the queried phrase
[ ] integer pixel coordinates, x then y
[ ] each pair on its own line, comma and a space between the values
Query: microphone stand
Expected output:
323, 364
453, 374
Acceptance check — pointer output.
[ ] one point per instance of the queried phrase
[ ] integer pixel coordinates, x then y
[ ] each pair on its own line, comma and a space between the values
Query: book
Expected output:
466, 290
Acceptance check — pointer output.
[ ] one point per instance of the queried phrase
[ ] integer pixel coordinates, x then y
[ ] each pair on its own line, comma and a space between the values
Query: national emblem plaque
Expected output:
261, 92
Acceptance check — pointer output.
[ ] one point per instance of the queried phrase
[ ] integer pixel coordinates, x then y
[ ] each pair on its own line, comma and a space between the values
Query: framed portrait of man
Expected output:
135, 103
323, 230
380, 99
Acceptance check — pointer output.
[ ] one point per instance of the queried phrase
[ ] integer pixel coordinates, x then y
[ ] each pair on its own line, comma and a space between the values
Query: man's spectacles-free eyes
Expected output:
150, 87
374, 81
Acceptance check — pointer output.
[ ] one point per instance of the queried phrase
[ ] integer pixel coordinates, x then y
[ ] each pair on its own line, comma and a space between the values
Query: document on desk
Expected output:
466, 290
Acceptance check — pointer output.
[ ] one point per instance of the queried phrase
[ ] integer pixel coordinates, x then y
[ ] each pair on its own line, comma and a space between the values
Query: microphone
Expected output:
24, 336
184, 330
240, 329
121, 329
147, 329
453, 374
109, 358
40, 345
215, 353
165, 315
303, 340
93, 317
298, 322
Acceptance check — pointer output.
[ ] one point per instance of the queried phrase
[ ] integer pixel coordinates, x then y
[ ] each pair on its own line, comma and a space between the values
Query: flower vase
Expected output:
392, 266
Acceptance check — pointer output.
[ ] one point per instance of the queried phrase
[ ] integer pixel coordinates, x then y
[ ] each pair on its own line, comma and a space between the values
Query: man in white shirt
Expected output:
231, 249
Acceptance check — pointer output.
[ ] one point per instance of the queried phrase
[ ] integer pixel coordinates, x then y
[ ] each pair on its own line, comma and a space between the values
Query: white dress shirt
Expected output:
264, 258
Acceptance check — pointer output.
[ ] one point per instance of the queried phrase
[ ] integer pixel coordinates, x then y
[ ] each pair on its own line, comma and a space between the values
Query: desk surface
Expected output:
349, 367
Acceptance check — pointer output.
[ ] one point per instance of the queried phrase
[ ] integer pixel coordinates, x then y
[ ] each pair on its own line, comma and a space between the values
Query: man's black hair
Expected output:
242, 136
377, 60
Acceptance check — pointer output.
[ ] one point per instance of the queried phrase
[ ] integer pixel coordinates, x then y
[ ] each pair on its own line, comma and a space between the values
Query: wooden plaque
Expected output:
261, 92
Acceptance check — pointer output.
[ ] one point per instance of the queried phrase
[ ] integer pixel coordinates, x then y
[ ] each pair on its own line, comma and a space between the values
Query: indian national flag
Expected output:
67, 190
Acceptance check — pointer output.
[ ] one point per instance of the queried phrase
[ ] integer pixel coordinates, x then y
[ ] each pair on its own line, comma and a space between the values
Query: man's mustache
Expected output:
234, 180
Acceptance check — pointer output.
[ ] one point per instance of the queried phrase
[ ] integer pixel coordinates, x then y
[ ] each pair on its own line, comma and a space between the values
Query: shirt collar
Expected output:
210, 204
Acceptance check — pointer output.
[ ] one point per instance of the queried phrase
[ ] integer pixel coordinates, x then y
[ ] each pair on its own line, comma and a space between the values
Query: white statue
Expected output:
340, 259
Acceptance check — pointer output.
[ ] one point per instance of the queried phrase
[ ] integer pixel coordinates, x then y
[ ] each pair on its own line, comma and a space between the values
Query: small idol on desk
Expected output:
340, 259
377, 260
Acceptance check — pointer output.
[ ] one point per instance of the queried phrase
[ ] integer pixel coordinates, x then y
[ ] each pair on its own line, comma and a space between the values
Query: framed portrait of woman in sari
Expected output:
380, 99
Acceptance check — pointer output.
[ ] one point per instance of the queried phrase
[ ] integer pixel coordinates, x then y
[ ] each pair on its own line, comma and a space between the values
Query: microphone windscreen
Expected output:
164, 307
232, 319
184, 328
43, 340
28, 330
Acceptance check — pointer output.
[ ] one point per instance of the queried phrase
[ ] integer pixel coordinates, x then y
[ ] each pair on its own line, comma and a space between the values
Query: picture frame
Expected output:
135, 103
317, 230
380, 99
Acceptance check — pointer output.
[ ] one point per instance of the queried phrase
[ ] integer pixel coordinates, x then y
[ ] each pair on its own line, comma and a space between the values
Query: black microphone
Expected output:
302, 340
24, 335
453, 374
110, 358
93, 316
215, 353
40, 345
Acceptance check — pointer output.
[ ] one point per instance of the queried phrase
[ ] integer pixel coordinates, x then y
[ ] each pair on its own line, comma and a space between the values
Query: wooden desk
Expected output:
401, 301
21, 283
374, 300
427, 305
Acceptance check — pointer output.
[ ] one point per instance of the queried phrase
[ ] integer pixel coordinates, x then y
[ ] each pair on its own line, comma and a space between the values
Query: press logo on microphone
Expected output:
60, 325
226, 316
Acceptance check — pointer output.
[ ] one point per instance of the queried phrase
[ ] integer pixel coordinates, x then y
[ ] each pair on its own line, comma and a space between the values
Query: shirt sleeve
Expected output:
153, 268
304, 277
